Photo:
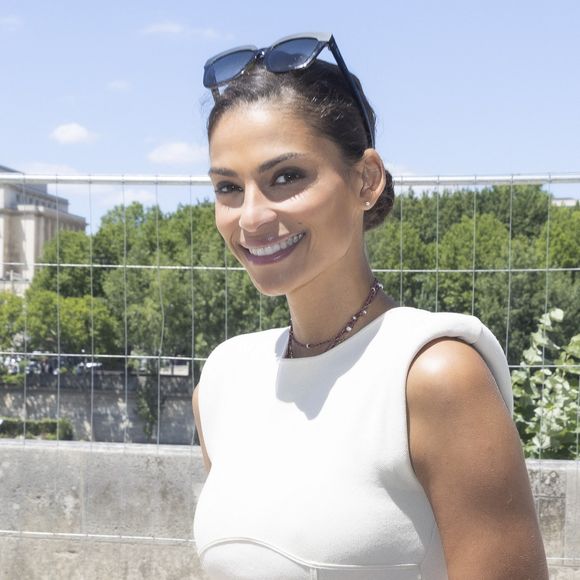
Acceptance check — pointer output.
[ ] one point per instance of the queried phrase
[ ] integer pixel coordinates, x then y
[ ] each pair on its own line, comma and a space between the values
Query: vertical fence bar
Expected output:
437, 196
125, 314
401, 297
192, 288
226, 290
473, 261
58, 319
92, 283
25, 381
126, 339
192, 280
162, 307
542, 437
509, 289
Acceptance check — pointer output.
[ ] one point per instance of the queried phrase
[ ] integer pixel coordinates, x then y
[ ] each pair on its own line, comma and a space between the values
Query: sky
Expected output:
459, 87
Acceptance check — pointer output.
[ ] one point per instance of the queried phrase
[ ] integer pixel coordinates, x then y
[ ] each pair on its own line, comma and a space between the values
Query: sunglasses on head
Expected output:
289, 53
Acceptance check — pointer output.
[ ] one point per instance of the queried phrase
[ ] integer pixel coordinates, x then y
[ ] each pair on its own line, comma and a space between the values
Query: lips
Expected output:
273, 252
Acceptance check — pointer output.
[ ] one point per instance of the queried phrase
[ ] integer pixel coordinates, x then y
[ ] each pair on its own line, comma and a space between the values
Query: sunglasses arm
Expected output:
340, 61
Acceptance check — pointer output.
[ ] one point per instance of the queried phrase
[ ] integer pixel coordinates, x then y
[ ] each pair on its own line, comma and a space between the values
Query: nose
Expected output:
256, 210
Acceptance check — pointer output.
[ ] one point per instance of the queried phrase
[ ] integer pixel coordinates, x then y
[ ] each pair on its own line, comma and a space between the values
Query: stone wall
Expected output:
82, 511
103, 405
556, 488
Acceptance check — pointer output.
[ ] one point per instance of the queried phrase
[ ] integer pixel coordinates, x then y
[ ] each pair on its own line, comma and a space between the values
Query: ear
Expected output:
373, 178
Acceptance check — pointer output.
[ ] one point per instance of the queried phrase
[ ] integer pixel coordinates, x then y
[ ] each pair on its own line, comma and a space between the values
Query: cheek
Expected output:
336, 213
225, 220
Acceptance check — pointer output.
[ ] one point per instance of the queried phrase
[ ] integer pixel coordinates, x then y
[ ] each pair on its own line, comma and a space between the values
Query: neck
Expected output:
321, 309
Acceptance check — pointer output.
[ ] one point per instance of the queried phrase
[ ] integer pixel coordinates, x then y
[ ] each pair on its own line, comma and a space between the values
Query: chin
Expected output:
273, 284
272, 290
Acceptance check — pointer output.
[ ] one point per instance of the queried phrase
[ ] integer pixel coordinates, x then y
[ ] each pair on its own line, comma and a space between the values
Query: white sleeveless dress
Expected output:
311, 477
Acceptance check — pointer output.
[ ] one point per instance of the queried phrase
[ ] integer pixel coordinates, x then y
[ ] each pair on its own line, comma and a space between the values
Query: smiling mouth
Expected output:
272, 249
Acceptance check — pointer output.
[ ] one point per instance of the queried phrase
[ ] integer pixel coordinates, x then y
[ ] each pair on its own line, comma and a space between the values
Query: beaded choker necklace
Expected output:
343, 332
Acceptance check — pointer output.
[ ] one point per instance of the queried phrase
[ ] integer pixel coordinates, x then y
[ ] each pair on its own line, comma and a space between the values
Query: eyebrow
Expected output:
261, 169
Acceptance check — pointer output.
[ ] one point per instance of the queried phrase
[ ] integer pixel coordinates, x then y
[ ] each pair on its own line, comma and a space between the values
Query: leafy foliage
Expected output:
11, 427
11, 321
547, 393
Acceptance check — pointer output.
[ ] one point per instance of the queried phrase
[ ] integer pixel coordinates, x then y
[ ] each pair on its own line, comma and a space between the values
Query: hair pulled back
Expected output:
322, 97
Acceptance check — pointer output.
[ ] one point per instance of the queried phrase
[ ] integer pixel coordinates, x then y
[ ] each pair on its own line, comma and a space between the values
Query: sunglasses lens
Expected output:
291, 54
227, 67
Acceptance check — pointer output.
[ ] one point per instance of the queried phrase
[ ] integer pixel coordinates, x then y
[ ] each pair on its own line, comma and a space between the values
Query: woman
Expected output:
365, 440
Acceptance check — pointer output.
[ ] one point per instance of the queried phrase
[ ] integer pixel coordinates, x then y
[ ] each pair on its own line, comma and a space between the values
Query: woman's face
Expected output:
287, 204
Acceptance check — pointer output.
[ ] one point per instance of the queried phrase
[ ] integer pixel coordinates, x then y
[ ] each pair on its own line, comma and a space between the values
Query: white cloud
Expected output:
178, 153
164, 27
10, 23
70, 133
119, 86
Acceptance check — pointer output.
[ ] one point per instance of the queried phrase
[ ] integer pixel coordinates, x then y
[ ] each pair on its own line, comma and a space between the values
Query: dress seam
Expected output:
312, 565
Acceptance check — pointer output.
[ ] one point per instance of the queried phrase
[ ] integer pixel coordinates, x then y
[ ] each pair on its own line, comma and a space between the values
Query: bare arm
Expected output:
467, 454
195, 406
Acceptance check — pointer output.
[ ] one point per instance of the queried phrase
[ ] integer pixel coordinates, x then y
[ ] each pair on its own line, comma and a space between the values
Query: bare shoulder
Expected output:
450, 371
197, 418
466, 452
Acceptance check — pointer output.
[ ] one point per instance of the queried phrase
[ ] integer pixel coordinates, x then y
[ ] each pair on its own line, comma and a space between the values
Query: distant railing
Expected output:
404, 180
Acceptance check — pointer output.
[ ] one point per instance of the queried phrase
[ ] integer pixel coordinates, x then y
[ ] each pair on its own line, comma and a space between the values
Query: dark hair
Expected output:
321, 95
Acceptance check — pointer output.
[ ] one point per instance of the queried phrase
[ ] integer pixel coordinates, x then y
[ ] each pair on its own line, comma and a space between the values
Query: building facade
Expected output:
29, 217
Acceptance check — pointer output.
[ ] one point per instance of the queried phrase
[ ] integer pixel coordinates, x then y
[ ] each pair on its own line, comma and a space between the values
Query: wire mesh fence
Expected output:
105, 331
123, 300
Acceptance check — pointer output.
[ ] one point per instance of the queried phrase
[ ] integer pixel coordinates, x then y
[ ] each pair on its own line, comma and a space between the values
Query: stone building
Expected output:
29, 217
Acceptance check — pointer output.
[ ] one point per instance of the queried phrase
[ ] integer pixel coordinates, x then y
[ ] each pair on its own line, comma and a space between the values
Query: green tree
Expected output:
399, 245
120, 234
70, 325
558, 242
70, 273
530, 205
469, 245
11, 321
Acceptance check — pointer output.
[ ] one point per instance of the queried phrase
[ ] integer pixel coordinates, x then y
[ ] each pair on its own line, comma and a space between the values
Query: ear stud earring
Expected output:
367, 204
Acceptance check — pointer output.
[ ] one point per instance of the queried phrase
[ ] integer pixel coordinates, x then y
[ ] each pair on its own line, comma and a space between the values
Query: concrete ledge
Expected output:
64, 559
81, 510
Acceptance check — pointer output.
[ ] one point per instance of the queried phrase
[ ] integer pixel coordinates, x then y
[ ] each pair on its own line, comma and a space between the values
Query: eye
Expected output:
226, 187
288, 176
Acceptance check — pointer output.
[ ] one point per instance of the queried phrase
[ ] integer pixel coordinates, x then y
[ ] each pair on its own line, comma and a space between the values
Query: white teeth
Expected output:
274, 248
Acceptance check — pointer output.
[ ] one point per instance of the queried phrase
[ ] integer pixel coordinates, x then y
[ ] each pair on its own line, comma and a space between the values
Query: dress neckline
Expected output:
281, 359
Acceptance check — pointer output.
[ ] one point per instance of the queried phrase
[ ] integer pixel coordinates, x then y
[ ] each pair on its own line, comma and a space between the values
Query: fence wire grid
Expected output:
159, 368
